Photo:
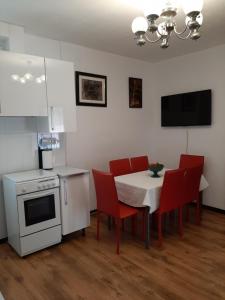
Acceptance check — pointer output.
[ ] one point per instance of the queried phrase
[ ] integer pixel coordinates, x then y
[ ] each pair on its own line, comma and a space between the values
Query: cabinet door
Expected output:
22, 85
75, 203
61, 95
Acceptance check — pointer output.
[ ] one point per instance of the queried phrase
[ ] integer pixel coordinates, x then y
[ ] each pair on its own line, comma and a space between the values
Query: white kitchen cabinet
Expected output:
20, 96
61, 97
74, 196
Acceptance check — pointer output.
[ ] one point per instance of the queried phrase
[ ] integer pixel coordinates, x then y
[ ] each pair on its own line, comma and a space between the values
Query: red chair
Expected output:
120, 166
139, 163
108, 203
189, 161
192, 183
171, 196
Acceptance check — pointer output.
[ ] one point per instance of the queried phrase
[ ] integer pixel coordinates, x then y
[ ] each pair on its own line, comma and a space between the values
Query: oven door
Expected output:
38, 211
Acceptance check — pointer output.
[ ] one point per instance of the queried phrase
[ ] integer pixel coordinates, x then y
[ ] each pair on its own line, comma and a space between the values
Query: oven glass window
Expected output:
39, 209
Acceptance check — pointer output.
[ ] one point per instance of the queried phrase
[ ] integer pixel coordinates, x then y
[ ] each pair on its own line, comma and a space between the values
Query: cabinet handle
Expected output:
52, 124
65, 193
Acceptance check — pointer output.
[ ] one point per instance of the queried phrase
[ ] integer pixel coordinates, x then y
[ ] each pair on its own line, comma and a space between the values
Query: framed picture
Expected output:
135, 92
91, 89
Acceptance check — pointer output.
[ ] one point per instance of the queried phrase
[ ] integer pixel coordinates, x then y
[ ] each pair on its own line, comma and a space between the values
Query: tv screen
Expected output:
188, 109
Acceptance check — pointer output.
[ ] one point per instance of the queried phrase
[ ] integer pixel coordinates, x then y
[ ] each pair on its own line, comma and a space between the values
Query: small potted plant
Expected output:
155, 168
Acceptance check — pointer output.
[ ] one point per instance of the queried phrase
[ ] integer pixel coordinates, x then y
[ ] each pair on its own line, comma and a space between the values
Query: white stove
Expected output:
32, 210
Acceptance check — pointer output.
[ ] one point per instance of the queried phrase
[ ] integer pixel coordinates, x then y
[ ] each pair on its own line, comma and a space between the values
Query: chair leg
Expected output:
143, 230
198, 218
171, 220
109, 222
180, 217
118, 236
187, 213
200, 204
160, 229
134, 222
123, 224
98, 225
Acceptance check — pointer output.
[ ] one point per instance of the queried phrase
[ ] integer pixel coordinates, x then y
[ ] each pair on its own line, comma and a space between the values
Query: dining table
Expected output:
140, 189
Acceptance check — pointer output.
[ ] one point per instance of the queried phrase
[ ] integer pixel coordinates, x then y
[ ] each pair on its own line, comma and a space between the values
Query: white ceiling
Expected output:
105, 25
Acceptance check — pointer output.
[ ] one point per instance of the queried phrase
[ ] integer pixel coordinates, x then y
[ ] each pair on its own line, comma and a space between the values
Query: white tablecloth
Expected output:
140, 189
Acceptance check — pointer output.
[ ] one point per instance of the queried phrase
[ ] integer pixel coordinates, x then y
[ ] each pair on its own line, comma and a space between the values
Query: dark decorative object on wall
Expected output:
91, 89
135, 92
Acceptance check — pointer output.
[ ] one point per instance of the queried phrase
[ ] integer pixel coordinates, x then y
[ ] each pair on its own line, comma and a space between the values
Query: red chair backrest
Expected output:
120, 166
192, 183
172, 191
139, 163
106, 194
189, 161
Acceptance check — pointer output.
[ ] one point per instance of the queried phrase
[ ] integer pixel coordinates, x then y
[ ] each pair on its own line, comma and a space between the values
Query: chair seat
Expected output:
126, 210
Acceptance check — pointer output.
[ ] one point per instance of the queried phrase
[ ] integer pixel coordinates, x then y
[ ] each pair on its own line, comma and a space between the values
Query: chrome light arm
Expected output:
178, 35
182, 32
152, 41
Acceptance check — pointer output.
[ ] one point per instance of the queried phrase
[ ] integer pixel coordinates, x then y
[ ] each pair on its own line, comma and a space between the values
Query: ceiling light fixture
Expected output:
146, 28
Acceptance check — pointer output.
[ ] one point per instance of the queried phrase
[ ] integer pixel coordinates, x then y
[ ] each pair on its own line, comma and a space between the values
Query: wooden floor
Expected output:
82, 268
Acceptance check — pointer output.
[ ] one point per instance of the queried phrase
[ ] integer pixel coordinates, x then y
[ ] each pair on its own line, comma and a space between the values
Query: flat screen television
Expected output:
188, 109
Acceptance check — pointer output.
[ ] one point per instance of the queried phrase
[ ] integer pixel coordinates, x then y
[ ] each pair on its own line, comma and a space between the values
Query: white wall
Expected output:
18, 152
103, 133
199, 71
117, 131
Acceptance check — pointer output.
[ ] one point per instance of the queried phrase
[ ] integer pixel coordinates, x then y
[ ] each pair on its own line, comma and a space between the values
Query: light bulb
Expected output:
192, 5
22, 80
139, 24
15, 77
38, 80
152, 7
162, 30
199, 18
28, 76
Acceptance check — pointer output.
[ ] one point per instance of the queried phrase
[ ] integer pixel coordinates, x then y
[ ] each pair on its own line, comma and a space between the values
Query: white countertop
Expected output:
65, 171
30, 175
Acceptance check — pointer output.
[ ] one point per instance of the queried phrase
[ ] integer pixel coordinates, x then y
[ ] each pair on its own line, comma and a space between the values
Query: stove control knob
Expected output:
43, 186
23, 191
39, 187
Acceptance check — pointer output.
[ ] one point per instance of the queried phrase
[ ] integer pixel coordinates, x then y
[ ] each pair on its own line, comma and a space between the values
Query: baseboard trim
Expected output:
221, 211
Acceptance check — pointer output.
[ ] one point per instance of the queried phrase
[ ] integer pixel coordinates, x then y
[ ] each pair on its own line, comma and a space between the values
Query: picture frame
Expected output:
91, 89
135, 92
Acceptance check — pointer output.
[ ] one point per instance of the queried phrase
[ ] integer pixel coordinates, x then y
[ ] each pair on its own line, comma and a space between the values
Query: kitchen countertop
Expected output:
65, 171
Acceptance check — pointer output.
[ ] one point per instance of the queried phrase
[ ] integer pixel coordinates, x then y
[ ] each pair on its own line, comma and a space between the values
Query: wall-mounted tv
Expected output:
188, 109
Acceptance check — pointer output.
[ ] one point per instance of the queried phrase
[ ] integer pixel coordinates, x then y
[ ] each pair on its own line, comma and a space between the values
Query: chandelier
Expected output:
146, 28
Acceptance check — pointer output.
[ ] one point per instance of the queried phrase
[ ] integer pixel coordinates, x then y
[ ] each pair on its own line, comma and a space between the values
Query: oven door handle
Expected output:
37, 195
65, 193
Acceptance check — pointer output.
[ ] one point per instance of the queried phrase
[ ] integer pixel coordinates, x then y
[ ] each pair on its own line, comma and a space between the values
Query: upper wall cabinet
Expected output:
60, 96
22, 85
